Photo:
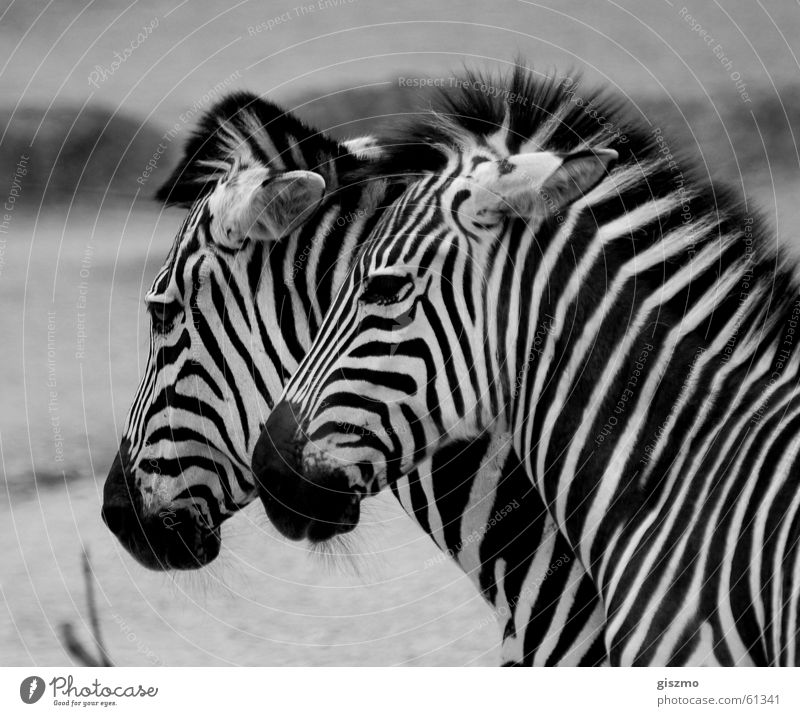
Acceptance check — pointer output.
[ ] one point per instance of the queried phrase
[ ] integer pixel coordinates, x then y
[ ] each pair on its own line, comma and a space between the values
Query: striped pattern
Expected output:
230, 325
635, 337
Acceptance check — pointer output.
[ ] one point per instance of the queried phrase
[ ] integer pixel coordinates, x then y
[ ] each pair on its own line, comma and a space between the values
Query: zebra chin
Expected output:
170, 539
315, 504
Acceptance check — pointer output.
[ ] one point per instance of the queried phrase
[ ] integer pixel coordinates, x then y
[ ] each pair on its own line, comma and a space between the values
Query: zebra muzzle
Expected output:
302, 503
172, 538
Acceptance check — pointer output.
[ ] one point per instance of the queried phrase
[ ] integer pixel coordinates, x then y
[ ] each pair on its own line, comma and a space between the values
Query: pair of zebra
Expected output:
502, 309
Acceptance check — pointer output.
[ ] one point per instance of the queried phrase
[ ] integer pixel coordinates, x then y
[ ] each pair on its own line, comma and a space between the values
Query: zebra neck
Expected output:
634, 360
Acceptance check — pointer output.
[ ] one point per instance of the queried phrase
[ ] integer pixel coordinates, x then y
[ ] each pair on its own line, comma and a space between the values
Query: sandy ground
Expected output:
264, 602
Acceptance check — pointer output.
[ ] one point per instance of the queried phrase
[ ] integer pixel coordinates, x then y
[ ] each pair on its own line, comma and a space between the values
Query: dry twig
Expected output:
73, 645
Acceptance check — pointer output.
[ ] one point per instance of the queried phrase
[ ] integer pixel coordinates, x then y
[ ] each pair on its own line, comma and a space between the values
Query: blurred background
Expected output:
87, 92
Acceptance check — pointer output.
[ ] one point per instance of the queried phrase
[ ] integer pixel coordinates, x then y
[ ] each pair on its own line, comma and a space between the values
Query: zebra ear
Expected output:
223, 135
243, 130
254, 203
537, 184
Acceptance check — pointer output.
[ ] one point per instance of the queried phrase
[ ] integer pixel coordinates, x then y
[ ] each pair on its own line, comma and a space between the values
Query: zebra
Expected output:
273, 221
630, 324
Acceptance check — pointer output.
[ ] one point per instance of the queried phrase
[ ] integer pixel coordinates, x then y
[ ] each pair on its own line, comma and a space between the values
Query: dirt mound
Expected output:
68, 151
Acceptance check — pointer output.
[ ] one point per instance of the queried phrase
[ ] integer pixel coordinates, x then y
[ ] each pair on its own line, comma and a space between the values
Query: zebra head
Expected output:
411, 356
250, 176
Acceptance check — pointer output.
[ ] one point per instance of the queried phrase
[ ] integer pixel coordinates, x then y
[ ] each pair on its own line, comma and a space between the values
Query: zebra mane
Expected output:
244, 130
524, 110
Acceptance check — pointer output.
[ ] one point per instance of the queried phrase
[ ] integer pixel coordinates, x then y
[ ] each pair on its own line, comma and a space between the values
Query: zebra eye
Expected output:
385, 289
163, 314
